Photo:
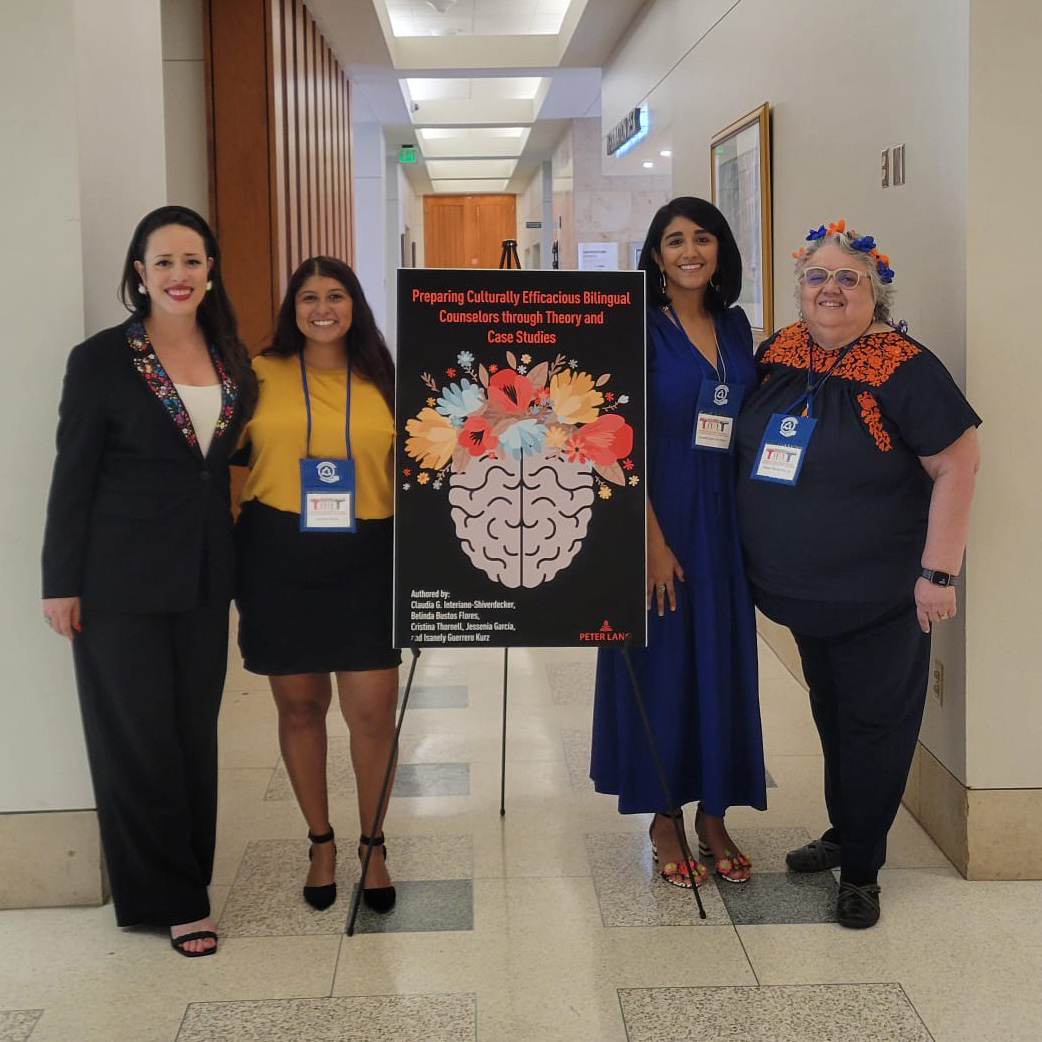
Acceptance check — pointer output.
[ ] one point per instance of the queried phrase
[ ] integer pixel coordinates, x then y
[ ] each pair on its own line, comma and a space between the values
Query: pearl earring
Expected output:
209, 284
141, 288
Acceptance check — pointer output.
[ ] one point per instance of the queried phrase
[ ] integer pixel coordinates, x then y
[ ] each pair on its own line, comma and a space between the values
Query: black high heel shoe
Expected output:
320, 897
378, 898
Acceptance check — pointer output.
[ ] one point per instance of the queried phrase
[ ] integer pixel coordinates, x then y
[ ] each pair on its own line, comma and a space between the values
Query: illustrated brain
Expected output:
521, 521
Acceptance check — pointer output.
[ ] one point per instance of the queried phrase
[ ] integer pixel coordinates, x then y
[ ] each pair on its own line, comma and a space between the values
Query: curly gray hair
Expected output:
882, 292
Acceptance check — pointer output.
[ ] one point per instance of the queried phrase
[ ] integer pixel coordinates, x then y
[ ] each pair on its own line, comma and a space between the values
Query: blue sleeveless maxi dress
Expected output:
698, 674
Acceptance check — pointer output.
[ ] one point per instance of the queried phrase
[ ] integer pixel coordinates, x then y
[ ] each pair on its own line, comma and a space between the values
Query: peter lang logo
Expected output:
605, 635
327, 472
789, 426
720, 395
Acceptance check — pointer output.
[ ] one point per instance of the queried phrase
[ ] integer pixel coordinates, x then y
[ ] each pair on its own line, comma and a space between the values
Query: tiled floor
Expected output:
546, 925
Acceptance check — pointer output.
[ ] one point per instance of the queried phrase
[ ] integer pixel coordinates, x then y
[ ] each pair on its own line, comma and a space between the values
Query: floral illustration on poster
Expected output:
522, 452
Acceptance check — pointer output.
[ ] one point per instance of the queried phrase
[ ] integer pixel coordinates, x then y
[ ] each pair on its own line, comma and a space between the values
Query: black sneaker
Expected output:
819, 855
858, 906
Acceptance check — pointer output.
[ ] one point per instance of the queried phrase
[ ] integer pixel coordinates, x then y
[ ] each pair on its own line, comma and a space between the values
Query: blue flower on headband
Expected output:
886, 273
866, 243
818, 233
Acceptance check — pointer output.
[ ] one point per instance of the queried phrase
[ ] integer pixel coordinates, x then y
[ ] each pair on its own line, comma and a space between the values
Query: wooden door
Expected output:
467, 231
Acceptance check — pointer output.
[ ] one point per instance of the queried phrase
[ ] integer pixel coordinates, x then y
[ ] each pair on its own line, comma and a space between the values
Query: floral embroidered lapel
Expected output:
147, 363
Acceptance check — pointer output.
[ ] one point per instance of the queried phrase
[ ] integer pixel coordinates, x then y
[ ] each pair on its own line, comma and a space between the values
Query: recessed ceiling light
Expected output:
441, 6
648, 165
665, 153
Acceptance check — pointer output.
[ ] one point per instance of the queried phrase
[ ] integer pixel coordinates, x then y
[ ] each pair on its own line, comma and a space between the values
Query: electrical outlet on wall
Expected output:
937, 681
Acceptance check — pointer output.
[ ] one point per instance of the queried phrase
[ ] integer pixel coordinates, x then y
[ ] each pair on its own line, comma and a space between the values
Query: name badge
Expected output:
327, 495
718, 405
783, 448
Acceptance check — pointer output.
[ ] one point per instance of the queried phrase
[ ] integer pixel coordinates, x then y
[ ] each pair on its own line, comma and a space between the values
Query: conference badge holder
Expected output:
715, 415
783, 448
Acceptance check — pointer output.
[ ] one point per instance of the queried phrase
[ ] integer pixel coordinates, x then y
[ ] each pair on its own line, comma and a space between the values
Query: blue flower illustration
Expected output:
526, 436
465, 358
458, 401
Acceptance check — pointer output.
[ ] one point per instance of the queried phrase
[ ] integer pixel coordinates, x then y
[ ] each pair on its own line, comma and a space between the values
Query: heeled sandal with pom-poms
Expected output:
678, 873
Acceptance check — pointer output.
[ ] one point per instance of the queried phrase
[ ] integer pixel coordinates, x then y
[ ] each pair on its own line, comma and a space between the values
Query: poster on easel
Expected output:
520, 459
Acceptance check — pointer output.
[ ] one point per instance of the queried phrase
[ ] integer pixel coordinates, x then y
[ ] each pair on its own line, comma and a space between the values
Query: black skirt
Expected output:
312, 602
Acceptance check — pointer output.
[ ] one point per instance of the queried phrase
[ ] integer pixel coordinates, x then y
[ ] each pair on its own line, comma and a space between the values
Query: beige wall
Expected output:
1004, 568
184, 104
42, 760
592, 206
118, 98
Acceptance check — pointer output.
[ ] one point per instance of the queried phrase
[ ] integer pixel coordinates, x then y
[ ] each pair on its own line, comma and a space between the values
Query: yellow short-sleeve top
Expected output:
277, 434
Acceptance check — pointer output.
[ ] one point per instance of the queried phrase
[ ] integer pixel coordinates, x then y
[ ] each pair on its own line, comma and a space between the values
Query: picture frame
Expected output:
740, 170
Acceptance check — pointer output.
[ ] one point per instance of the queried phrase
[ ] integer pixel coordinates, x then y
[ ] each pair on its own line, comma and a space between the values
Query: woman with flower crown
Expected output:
698, 674
857, 456
314, 551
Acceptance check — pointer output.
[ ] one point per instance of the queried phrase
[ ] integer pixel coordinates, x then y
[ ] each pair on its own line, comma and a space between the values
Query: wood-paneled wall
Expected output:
280, 151
467, 231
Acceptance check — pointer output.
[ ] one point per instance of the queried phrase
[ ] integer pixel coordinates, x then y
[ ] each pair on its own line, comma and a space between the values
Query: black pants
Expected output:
150, 691
867, 668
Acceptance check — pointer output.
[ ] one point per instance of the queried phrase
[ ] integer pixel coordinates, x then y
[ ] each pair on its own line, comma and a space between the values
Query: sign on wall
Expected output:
520, 503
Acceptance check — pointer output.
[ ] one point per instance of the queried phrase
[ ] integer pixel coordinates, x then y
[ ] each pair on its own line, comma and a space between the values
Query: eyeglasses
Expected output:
846, 278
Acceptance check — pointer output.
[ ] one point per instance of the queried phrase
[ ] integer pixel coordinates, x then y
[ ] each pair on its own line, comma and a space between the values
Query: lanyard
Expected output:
307, 406
813, 386
720, 369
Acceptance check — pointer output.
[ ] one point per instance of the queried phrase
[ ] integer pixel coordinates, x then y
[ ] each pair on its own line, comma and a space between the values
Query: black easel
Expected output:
508, 258
503, 753
685, 850
384, 794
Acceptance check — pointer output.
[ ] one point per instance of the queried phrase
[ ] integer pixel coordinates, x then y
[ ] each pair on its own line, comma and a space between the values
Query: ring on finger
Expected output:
661, 587
944, 615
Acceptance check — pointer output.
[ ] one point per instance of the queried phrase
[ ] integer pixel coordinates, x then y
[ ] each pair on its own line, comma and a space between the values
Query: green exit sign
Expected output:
407, 154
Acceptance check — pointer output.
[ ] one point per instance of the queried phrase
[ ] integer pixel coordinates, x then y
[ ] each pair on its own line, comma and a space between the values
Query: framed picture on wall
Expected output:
740, 164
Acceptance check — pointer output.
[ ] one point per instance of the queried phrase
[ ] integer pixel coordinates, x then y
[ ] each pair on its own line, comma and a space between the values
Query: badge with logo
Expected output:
327, 495
718, 405
783, 448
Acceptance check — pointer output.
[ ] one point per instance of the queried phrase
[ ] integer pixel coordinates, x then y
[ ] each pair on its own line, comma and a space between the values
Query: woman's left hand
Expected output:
933, 603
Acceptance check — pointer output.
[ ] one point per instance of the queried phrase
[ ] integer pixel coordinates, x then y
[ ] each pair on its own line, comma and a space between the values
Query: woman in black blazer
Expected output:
138, 566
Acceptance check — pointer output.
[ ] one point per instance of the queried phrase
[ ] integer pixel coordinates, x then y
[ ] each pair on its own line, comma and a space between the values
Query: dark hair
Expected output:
366, 347
726, 284
215, 315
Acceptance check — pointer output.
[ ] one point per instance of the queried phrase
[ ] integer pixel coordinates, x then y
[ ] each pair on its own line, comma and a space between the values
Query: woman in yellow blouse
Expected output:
314, 551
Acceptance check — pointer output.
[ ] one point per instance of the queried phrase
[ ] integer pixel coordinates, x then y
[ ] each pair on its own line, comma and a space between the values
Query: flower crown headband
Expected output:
864, 243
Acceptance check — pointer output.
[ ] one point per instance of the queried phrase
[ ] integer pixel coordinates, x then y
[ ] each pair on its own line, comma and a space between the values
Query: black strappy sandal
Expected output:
378, 898
320, 897
178, 943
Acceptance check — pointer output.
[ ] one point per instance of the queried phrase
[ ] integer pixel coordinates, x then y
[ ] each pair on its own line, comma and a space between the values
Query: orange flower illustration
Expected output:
477, 437
432, 439
574, 397
510, 391
604, 441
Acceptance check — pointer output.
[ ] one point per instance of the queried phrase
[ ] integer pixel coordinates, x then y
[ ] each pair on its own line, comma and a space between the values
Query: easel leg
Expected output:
503, 754
663, 781
384, 794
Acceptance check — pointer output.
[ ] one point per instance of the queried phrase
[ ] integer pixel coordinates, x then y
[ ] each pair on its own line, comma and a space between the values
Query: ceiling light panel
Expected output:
520, 88
484, 142
476, 17
454, 168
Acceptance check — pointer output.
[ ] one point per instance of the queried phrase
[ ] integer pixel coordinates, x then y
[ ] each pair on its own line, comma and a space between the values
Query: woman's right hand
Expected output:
663, 569
63, 615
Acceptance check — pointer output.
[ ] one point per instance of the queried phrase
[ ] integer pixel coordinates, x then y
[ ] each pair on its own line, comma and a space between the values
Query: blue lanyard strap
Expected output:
307, 407
813, 386
720, 369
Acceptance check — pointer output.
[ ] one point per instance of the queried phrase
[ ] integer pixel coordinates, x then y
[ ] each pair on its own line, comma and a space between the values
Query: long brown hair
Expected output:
366, 347
215, 315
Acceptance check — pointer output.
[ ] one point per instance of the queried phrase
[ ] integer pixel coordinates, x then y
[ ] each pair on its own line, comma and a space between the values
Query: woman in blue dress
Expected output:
698, 674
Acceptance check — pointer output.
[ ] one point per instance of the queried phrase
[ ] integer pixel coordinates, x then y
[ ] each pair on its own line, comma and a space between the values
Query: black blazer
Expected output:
137, 520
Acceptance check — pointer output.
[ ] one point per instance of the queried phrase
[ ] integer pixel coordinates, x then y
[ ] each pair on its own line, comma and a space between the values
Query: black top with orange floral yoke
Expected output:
853, 527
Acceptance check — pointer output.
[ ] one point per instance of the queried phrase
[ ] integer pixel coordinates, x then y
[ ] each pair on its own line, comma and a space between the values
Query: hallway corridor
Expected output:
548, 925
